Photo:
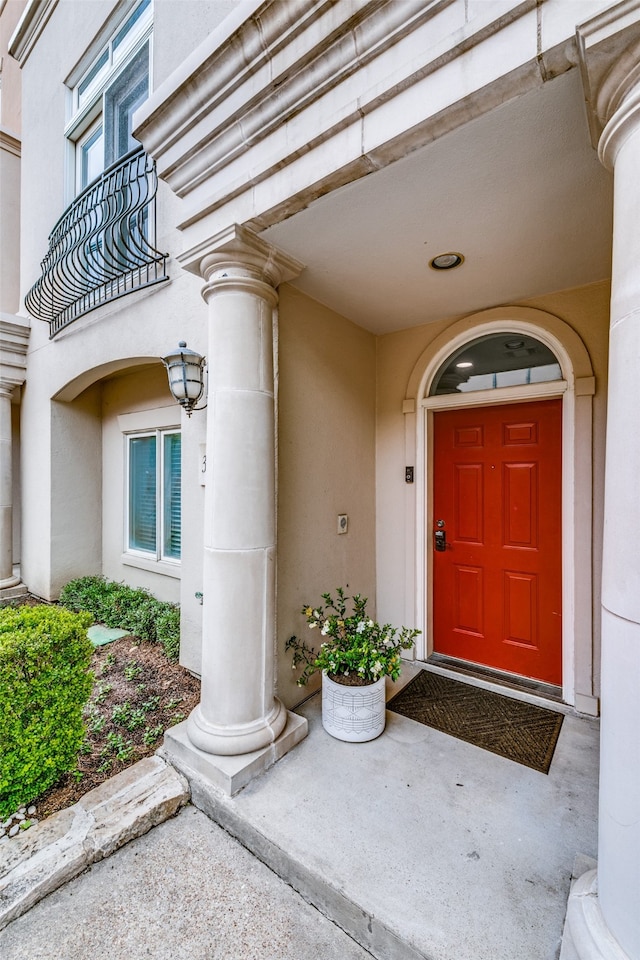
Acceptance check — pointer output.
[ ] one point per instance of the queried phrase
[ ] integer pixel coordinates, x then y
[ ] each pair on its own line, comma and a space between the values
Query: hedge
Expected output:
45, 683
126, 608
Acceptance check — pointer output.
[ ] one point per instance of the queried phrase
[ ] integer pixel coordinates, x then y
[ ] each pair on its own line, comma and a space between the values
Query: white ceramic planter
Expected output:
354, 714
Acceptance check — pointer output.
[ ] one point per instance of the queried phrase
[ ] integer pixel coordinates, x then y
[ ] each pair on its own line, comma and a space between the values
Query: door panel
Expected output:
497, 585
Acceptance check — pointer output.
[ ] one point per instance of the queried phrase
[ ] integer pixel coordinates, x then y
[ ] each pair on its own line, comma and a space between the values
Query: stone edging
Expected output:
61, 847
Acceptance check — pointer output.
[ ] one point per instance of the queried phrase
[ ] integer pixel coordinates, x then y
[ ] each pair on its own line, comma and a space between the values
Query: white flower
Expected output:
325, 629
370, 623
361, 627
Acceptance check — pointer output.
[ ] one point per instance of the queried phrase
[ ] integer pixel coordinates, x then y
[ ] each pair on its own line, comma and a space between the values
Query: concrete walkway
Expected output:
417, 845
420, 845
184, 890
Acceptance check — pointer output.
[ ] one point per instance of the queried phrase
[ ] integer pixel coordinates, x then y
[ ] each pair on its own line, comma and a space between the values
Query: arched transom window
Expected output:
496, 360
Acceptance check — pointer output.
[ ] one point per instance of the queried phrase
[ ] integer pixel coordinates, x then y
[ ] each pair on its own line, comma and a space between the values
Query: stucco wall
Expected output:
10, 105
586, 310
60, 468
176, 36
10, 126
326, 452
15, 463
9, 227
76, 487
135, 401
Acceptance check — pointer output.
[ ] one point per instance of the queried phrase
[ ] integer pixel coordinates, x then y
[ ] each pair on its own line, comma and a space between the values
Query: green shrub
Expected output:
127, 608
45, 683
168, 627
86, 593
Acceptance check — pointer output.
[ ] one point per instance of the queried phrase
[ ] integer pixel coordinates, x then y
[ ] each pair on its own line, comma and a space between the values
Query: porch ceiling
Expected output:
519, 192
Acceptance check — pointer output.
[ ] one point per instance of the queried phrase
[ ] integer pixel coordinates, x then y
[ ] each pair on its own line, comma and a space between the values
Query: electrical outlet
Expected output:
343, 523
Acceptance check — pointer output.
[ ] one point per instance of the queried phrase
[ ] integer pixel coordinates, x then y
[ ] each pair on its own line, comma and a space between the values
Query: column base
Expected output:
12, 588
586, 935
231, 741
587, 704
229, 773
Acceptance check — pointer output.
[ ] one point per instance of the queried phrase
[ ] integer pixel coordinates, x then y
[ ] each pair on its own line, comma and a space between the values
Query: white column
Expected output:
6, 489
14, 338
604, 907
238, 712
619, 818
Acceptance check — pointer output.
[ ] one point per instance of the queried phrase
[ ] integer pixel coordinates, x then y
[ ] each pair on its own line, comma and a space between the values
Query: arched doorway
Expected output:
568, 390
497, 511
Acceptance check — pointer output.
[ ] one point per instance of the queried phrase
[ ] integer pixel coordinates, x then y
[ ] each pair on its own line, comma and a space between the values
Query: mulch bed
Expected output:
137, 695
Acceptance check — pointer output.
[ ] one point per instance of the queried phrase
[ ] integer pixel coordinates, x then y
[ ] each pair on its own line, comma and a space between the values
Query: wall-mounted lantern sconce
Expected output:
185, 369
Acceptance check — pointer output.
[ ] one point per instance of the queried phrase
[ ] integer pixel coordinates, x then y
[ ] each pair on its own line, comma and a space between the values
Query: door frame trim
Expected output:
576, 390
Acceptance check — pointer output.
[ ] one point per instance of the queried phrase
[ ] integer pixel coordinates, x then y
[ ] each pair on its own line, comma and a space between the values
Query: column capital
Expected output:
6, 388
239, 252
14, 340
609, 52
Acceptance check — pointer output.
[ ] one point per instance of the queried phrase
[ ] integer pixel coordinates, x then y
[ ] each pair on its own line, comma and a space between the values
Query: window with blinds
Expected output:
154, 501
172, 501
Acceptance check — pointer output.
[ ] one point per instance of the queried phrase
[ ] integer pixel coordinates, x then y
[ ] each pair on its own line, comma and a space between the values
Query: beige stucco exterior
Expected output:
326, 462
313, 159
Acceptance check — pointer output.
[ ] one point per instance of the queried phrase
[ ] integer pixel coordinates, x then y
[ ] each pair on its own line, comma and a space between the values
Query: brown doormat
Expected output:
511, 728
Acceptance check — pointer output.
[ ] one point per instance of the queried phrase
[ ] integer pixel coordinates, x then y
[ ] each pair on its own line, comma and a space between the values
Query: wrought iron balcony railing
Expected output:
103, 246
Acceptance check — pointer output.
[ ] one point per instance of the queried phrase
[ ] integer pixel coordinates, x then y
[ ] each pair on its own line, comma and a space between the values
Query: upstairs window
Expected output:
104, 244
108, 94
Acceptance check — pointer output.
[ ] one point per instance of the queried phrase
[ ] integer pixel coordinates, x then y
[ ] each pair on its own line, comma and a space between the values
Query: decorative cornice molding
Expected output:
30, 26
224, 111
609, 53
10, 142
14, 341
288, 55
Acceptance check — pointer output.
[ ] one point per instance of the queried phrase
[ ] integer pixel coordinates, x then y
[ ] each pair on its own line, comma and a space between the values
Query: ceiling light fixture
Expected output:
446, 261
514, 344
464, 364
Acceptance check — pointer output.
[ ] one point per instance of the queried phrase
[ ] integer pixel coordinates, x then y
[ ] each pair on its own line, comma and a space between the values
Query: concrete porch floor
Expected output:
416, 844
421, 845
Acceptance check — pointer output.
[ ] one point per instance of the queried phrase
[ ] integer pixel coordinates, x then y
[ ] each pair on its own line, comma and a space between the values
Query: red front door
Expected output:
497, 584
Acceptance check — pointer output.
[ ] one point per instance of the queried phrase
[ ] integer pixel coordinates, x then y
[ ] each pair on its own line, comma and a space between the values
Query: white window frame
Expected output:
87, 106
149, 559
87, 136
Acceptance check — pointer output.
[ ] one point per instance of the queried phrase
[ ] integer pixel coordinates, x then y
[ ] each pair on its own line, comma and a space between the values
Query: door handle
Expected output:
440, 538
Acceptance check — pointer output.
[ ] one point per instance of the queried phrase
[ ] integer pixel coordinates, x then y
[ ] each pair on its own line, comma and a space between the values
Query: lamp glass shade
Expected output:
185, 369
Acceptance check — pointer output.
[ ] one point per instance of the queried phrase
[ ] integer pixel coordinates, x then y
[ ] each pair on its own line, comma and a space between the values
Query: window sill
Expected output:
162, 567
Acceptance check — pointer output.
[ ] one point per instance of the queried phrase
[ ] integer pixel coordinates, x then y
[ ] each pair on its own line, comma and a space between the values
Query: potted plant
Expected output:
354, 657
